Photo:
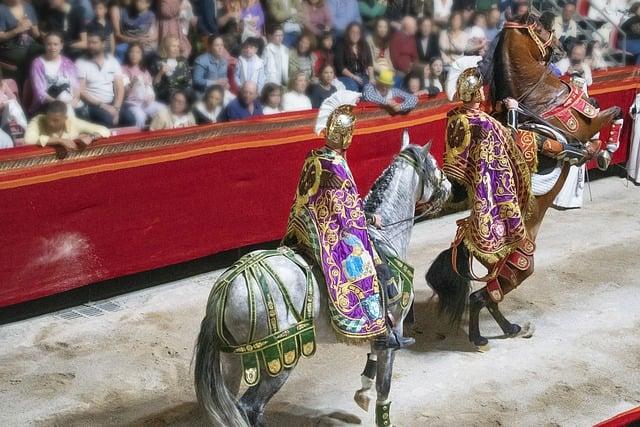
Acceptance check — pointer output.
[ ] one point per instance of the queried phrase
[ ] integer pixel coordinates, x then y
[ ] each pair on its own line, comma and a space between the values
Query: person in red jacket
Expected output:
404, 52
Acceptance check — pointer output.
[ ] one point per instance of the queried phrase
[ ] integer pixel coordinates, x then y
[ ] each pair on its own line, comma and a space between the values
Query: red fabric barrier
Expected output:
144, 201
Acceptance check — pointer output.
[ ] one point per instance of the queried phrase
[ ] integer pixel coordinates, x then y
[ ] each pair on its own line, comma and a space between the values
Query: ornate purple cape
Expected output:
327, 223
482, 154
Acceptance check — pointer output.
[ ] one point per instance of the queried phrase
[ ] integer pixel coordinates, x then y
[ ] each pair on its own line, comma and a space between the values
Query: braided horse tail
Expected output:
451, 287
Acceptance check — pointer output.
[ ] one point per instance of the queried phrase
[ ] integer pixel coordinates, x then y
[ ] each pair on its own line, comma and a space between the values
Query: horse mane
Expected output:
375, 198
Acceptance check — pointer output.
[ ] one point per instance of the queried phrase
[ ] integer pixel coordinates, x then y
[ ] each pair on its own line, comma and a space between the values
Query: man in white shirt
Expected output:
575, 64
101, 84
276, 58
564, 25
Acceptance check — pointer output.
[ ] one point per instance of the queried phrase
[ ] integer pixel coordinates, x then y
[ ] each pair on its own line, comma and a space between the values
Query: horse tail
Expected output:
214, 397
451, 287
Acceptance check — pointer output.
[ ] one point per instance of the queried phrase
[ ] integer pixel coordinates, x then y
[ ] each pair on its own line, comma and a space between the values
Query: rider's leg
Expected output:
394, 338
255, 399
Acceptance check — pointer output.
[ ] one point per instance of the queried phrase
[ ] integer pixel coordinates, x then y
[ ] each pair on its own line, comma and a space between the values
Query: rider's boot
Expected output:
392, 340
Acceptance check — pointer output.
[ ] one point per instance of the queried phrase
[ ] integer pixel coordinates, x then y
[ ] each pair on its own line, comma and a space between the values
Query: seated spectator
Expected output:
250, 67
575, 66
564, 25
137, 26
188, 20
67, 19
206, 12
271, 99
300, 59
421, 8
476, 33
252, 17
54, 77
383, 93
296, 98
396, 11
595, 56
431, 84
632, 27
442, 12
117, 8
171, 70
168, 16
100, 24
140, 99
493, 21
208, 110
404, 52
413, 84
211, 68
324, 54
230, 19
378, 42
13, 121
343, 14
427, 40
371, 11
320, 91
453, 41
436, 76
276, 58
286, 13
18, 34
353, 59
316, 18
244, 106
178, 115
101, 85
56, 127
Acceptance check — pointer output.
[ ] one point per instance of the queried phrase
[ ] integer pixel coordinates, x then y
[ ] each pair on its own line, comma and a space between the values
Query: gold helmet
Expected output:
337, 120
469, 85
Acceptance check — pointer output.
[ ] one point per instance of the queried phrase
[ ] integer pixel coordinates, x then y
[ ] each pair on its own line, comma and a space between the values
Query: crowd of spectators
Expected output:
80, 67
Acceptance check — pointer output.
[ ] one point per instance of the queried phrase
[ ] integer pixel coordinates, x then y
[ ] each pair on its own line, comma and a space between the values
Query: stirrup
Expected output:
393, 341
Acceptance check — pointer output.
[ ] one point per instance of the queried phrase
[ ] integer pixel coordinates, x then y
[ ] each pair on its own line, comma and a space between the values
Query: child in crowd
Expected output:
208, 110
250, 66
101, 24
324, 88
300, 56
276, 58
271, 99
178, 115
324, 55
139, 26
140, 100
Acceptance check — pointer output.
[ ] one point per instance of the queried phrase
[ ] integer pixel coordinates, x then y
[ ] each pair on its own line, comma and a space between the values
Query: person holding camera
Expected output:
576, 67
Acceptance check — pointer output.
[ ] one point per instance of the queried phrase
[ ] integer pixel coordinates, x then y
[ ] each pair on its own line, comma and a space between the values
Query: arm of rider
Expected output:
512, 113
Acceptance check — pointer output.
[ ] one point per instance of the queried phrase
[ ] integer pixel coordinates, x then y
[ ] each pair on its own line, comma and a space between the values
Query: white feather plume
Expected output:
456, 68
342, 97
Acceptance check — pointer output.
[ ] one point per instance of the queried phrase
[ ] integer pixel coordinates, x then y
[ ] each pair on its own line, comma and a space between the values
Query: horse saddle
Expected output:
565, 112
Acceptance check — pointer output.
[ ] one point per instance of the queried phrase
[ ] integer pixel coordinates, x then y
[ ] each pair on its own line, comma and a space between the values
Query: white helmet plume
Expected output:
456, 68
342, 97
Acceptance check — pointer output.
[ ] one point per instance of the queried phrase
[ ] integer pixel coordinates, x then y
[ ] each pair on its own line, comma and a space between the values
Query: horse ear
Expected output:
427, 147
406, 140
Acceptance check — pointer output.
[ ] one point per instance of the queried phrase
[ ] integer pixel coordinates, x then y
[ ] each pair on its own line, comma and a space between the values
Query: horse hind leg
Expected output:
362, 398
477, 301
256, 398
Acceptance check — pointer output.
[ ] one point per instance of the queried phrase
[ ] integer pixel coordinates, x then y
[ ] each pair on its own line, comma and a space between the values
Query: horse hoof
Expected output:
362, 400
481, 343
527, 330
514, 330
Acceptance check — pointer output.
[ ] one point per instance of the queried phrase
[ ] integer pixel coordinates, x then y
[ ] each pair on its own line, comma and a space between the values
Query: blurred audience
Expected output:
209, 108
171, 70
178, 115
296, 98
245, 105
139, 99
271, 99
383, 93
324, 88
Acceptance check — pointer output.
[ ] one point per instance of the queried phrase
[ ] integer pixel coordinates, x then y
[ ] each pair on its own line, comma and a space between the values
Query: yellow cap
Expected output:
386, 77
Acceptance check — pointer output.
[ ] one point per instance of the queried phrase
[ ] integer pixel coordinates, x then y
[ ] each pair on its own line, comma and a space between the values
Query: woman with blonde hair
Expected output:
171, 70
296, 99
169, 24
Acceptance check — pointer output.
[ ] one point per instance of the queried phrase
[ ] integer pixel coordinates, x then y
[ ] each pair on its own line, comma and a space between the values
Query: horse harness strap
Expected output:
542, 46
564, 113
281, 348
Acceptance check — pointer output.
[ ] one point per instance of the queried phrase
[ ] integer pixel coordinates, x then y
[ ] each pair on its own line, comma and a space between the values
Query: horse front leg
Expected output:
477, 302
362, 398
383, 386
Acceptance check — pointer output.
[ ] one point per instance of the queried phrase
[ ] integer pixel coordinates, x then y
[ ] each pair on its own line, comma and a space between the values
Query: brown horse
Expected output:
519, 72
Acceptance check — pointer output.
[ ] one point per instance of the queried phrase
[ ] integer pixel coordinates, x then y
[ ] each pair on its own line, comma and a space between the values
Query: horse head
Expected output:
540, 40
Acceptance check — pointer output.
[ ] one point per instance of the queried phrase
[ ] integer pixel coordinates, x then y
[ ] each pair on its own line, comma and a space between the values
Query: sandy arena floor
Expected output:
132, 366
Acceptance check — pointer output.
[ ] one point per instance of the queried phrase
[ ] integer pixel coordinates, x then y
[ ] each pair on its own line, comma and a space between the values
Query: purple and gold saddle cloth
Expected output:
327, 223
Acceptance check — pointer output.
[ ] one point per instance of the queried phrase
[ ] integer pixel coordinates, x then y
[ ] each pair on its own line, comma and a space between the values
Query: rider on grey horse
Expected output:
328, 224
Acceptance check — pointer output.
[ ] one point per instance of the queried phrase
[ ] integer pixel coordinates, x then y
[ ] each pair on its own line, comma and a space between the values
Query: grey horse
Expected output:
412, 178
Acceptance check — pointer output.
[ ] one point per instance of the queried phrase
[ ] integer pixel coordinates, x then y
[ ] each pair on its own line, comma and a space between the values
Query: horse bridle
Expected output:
421, 170
531, 29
